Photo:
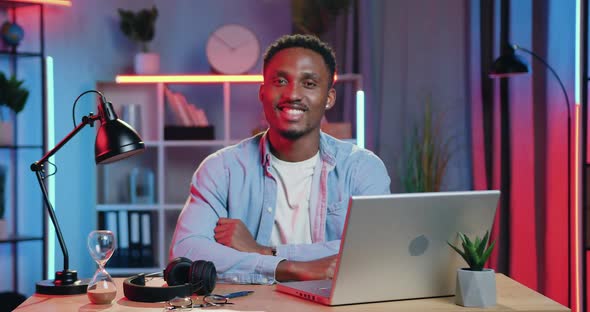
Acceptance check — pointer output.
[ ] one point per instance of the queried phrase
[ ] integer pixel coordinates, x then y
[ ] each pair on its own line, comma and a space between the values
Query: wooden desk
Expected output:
512, 296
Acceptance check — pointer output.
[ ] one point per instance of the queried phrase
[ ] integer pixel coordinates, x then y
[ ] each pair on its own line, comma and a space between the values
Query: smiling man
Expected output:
272, 208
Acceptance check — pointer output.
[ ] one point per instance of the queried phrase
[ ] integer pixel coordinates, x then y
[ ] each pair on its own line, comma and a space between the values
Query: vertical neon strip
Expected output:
578, 51
50, 136
577, 124
577, 249
577, 234
360, 118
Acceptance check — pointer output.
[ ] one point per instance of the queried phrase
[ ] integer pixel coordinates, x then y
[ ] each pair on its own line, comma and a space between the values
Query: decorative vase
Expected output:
6, 133
475, 288
147, 63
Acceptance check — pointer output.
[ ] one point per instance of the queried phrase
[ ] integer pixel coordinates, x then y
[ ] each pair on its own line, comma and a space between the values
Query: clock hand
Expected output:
243, 43
224, 42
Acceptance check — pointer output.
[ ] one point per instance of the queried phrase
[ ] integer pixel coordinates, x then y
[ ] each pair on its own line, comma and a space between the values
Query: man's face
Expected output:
296, 92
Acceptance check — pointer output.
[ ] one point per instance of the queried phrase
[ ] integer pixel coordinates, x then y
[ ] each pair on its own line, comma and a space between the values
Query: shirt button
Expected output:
269, 209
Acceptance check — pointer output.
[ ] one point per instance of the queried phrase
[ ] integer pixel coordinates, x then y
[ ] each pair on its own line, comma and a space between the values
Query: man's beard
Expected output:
294, 134
291, 134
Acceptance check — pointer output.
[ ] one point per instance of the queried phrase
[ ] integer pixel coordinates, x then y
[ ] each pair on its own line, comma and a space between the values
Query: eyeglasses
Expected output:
186, 303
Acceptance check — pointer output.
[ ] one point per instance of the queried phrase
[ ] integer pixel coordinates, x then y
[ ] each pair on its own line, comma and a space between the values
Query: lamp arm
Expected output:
540, 59
37, 167
86, 120
51, 212
569, 122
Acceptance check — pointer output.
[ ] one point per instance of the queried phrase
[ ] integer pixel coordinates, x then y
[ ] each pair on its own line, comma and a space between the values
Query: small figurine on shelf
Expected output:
12, 34
141, 186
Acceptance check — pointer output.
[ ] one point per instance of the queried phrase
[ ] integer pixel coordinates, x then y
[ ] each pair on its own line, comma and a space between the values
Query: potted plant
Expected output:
476, 285
140, 28
427, 154
13, 96
318, 16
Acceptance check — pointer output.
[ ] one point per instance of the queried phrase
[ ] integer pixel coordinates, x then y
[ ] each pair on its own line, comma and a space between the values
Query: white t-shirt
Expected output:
292, 224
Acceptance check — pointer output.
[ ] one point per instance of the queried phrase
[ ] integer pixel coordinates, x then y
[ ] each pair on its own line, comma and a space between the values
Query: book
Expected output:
175, 106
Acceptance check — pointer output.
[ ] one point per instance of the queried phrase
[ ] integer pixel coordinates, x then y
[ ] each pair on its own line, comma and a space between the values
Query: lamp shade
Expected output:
507, 65
116, 140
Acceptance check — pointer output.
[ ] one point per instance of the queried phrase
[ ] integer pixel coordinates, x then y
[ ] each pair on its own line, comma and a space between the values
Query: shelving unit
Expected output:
173, 161
27, 147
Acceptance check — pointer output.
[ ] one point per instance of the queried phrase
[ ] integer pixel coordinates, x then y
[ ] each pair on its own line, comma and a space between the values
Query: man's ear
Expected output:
260, 92
331, 99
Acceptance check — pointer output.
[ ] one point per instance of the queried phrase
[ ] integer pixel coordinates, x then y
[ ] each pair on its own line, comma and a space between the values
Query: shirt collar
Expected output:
327, 150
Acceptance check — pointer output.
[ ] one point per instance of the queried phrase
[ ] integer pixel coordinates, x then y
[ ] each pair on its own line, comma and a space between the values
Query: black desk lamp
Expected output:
115, 140
510, 64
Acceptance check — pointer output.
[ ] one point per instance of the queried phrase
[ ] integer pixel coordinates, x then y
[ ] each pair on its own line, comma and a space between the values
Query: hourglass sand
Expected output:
102, 288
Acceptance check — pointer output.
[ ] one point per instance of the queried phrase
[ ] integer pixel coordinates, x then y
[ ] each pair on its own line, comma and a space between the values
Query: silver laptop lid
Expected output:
395, 246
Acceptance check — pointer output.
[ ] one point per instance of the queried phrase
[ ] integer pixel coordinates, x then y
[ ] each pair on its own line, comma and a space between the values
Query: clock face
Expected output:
232, 49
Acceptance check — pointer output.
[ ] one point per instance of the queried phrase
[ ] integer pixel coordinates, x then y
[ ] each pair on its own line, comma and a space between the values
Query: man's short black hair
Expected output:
303, 41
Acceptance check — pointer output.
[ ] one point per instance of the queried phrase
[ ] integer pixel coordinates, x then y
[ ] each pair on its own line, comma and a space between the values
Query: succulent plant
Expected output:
475, 252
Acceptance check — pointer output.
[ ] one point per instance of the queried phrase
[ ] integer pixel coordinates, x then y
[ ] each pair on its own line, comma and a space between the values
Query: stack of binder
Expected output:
134, 231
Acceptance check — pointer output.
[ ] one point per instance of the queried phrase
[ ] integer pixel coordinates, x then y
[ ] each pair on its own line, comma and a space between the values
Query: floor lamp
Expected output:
115, 140
510, 64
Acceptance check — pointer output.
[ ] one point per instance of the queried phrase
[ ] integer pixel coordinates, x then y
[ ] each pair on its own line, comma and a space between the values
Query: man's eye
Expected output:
309, 84
280, 81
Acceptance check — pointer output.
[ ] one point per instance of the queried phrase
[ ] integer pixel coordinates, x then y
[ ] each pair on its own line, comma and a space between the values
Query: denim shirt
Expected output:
237, 182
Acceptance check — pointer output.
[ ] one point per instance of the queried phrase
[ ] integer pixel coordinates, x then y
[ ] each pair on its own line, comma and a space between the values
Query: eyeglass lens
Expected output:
215, 300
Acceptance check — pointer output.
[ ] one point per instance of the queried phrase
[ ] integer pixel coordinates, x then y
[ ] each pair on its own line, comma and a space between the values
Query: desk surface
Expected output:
512, 296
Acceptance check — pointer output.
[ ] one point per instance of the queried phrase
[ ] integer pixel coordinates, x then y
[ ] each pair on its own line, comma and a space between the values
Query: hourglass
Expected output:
102, 288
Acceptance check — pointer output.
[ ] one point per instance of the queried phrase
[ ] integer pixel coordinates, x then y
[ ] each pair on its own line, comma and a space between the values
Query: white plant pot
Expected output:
475, 288
6, 133
147, 63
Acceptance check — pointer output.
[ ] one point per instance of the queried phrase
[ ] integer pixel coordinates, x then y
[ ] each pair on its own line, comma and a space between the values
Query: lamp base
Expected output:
65, 283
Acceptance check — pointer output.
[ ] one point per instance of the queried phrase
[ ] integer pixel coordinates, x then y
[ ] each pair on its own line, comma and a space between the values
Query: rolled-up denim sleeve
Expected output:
308, 252
194, 234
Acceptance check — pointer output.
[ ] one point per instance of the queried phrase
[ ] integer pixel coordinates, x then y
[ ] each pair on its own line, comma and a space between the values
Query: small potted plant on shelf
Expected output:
140, 28
13, 96
476, 285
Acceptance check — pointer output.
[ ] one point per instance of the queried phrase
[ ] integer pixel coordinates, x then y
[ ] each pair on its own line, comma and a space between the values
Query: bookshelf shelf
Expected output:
19, 238
173, 206
119, 207
21, 146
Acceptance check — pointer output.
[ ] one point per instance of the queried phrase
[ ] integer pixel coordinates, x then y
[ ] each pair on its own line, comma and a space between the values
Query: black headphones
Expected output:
184, 277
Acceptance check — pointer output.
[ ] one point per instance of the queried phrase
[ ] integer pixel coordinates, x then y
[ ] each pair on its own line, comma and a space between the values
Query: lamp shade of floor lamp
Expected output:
115, 140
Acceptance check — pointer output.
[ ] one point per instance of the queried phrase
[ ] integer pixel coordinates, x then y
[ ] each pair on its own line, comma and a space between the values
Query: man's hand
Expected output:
233, 233
310, 270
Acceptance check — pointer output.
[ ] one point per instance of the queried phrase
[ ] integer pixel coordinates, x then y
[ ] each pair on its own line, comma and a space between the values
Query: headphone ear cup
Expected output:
177, 271
203, 277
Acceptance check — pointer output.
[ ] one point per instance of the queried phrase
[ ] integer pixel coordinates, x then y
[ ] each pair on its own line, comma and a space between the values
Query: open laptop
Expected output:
395, 247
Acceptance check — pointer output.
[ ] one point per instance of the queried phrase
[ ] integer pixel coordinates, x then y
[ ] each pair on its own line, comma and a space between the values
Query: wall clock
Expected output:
232, 49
